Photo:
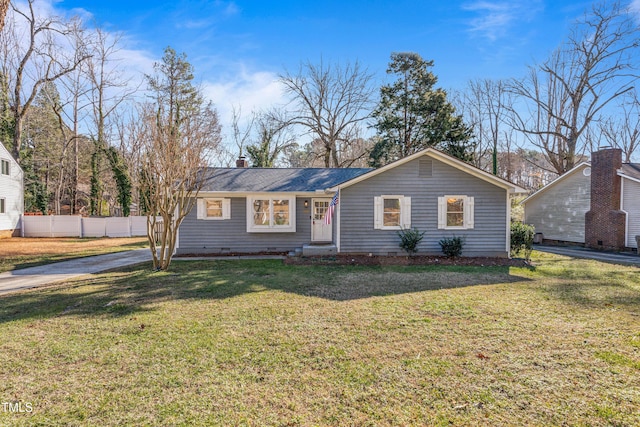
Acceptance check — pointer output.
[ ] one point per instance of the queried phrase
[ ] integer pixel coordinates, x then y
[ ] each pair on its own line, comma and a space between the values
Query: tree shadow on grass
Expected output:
585, 282
598, 292
137, 288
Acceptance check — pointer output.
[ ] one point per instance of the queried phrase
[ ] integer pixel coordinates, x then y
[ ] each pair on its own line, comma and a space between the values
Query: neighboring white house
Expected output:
596, 203
558, 209
11, 194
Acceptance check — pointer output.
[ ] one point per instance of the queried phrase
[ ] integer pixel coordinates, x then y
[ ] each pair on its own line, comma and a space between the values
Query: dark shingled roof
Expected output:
278, 180
631, 169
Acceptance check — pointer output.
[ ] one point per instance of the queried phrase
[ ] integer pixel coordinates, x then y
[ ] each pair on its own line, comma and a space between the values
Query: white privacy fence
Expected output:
77, 226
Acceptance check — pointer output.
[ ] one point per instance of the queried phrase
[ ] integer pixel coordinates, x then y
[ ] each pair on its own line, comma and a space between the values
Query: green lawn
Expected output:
22, 252
259, 343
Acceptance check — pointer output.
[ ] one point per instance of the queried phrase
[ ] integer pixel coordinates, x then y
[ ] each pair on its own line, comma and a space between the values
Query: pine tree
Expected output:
413, 114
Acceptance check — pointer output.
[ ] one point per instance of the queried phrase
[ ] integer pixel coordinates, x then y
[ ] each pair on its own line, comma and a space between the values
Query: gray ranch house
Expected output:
256, 210
11, 194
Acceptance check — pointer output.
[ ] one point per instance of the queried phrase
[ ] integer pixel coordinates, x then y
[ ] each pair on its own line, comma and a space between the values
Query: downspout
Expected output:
338, 219
508, 239
626, 214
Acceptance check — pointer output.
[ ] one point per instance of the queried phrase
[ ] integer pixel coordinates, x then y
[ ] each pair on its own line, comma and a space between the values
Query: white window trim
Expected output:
468, 212
8, 167
202, 209
272, 228
378, 212
3, 206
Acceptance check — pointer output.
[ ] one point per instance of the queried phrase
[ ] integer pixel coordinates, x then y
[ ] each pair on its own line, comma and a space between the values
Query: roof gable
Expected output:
561, 178
628, 170
444, 158
4, 153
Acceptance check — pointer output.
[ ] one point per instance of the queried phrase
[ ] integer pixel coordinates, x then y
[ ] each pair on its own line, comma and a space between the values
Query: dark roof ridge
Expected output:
264, 168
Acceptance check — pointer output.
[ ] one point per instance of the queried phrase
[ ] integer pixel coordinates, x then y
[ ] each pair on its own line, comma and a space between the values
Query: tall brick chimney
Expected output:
242, 162
605, 222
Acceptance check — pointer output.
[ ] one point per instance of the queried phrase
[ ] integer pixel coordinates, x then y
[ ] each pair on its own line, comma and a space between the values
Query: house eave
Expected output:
444, 158
230, 194
630, 178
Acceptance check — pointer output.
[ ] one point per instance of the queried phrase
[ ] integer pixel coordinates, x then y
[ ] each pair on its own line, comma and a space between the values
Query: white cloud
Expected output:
634, 7
239, 86
231, 9
248, 91
495, 18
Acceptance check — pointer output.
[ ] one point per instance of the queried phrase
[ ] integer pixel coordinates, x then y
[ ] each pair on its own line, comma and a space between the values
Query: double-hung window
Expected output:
392, 212
267, 214
455, 212
214, 208
4, 167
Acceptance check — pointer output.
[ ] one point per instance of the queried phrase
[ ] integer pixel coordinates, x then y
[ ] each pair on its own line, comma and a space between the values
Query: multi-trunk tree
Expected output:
179, 131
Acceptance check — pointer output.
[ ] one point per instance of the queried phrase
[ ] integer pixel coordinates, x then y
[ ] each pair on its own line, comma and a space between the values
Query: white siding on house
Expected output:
631, 205
559, 211
11, 189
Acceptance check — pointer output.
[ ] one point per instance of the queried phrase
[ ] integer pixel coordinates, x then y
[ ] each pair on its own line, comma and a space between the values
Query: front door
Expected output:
320, 232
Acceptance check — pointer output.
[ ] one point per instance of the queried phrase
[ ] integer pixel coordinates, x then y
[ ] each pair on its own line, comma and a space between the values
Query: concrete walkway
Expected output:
33, 277
581, 252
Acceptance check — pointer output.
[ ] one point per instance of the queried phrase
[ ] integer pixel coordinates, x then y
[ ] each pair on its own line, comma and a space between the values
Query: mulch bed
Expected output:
403, 260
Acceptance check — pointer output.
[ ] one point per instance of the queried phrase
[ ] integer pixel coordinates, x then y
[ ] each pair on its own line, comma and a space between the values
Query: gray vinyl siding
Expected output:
11, 189
559, 212
631, 205
198, 236
487, 238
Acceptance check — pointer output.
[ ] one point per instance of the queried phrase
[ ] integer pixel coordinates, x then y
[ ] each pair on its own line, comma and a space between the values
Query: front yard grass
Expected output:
22, 252
261, 343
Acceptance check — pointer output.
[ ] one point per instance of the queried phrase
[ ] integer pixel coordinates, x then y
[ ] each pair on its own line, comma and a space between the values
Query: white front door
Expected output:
321, 232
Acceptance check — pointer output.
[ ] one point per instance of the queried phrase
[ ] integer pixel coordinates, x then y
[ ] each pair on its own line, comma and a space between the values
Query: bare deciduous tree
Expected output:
179, 132
108, 91
272, 137
37, 57
330, 103
560, 98
4, 6
241, 134
485, 106
623, 130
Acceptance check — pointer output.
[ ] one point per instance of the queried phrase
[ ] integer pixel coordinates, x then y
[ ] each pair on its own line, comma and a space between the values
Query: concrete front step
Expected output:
319, 250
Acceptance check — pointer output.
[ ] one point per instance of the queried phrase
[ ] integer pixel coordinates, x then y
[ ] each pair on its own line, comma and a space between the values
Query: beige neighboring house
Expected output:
11, 194
596, 203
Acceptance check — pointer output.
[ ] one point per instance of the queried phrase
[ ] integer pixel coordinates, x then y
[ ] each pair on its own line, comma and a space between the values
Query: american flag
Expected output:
329, 214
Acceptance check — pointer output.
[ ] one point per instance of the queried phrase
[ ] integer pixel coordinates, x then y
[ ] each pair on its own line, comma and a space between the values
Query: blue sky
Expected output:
239, 47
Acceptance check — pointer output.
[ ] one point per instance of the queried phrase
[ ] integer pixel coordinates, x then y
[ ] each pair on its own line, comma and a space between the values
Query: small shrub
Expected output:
452, 246
409, 239
522, 239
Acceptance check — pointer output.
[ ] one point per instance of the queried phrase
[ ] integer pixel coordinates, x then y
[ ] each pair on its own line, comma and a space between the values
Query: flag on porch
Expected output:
329, 213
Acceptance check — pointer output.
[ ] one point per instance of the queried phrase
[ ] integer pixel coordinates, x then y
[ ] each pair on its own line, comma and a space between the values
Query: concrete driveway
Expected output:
581, 252
33, 277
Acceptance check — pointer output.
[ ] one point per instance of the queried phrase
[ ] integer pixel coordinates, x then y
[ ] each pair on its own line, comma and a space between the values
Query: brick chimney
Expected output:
605, 222
242, 162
